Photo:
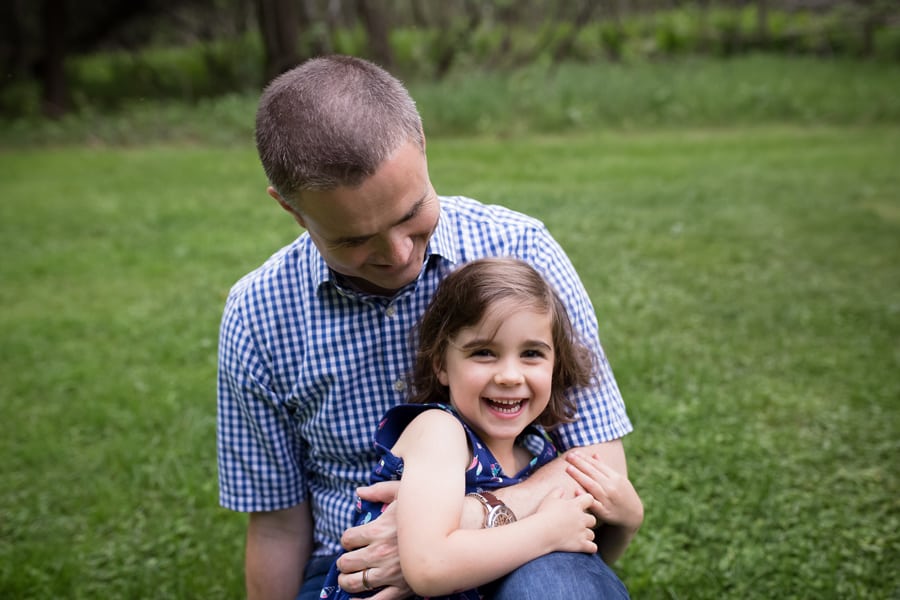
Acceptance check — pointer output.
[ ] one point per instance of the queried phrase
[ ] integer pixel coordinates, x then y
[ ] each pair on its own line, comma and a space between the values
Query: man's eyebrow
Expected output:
411, 214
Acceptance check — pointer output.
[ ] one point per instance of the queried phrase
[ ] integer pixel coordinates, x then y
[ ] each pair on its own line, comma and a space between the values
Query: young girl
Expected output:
496, 355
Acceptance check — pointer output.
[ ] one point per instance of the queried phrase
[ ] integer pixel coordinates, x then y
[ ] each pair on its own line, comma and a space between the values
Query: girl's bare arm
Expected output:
437, 556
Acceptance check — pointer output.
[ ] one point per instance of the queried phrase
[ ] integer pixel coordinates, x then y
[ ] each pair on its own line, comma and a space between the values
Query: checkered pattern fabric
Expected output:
307, 369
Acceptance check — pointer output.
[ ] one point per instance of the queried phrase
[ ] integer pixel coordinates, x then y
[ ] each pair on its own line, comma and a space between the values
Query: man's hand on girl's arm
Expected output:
373, 548
616, 505
374, 545
524, 498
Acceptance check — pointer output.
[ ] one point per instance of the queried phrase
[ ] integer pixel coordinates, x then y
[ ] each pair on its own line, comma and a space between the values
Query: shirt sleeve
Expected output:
601, 414
258, 448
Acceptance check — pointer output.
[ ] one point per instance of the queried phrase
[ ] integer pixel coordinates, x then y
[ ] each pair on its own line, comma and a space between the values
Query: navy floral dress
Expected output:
484, 473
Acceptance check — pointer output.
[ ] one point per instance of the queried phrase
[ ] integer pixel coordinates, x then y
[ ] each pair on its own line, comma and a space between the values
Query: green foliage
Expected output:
675, 33
887, 43
542, 97
222, 120
612, 40
410, 47
234, 65
746, 284
350, 41
21, 98
206, 70
688, 91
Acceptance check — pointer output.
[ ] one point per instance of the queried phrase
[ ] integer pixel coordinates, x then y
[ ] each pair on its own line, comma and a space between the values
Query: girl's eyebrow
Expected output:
469, 344
540, 343
482, 342
476, 343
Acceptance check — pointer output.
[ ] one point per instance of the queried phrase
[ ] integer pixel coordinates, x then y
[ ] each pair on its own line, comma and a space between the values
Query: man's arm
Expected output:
279, 544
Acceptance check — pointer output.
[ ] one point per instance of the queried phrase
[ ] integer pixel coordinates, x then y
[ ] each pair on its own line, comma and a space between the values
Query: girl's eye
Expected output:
484, 352
533, 354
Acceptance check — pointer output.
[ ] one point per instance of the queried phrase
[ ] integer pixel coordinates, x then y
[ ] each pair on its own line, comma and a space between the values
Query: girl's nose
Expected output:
508, 376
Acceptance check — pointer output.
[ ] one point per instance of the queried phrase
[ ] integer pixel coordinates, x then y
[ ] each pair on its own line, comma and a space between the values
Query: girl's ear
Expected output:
441, 373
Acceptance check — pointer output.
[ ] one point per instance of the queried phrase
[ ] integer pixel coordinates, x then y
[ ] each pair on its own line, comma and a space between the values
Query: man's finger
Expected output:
381, 529
356, 537
383, 491
584, 464
389, 593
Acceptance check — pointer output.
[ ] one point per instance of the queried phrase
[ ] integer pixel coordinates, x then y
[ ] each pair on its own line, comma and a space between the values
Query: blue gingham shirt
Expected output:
308, 368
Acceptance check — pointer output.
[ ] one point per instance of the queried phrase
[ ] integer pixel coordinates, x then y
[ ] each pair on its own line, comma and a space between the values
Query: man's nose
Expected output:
396, 250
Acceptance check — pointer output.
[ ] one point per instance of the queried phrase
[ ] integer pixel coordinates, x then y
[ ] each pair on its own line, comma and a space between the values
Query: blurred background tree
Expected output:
62, 55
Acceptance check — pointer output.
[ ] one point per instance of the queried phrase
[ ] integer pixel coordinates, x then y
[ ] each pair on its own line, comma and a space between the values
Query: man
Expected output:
315, 344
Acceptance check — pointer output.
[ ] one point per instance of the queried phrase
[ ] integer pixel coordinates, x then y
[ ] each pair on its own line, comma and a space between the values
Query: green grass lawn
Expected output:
747, 284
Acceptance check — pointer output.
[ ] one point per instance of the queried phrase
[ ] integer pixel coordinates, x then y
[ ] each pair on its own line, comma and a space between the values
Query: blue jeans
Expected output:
560, 575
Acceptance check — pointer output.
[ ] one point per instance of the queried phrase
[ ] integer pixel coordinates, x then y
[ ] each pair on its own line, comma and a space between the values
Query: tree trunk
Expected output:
54, 90
419, 18
280, 28
705, 32
872, 20
317, 29
584, 11
13, 36
762, 23
453, 34
242, 12
374, 17
506, 17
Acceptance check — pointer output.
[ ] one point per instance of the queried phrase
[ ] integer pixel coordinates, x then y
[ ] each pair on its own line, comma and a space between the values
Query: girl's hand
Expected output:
615, 500
567, 522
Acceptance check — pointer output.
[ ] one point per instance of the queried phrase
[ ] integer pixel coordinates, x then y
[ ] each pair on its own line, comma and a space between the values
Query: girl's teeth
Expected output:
506, 407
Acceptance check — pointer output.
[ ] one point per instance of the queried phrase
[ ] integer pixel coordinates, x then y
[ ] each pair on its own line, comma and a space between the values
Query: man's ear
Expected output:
287, 206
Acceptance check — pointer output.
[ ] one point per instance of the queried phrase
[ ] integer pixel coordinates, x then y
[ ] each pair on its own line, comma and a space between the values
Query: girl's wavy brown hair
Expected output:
466, 296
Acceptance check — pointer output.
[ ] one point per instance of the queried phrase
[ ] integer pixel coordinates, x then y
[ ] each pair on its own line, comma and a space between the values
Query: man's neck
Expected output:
362, 286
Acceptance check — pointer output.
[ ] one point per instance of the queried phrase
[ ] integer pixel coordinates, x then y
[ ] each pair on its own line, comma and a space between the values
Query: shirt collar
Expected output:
321, 273
443, 240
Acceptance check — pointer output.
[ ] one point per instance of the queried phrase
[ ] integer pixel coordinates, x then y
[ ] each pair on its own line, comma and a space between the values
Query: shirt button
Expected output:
399, 385
391, 310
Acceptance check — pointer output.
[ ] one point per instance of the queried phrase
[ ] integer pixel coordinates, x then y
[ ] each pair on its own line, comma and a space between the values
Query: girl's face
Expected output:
500, 371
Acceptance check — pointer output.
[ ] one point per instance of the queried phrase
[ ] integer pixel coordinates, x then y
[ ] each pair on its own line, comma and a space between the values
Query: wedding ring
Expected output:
366, 585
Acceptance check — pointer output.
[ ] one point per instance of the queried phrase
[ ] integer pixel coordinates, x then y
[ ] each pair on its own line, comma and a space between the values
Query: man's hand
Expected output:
524, 498
615, 500
372, 550
617, 506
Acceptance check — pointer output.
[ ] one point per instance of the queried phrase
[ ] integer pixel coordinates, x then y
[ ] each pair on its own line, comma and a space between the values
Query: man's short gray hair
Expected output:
331, 122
